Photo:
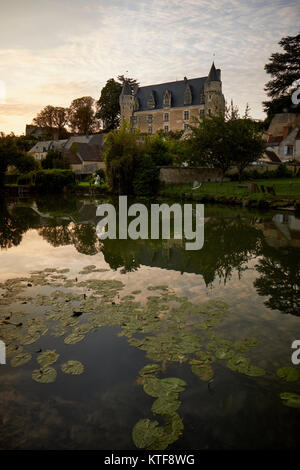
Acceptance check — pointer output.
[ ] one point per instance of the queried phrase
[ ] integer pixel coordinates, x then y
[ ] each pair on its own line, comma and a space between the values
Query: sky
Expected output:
53, 51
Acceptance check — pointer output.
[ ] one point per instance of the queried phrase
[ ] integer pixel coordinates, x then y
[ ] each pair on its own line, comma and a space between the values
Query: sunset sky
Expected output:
52, 51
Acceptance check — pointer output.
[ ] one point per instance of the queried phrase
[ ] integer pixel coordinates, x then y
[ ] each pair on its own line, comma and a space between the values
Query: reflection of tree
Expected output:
229, 244
83, 237
280, 279
56, 235
13, 224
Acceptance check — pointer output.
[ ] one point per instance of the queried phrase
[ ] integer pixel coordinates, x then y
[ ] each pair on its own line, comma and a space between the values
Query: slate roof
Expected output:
72, 157
177, 91
272, 156
88, 153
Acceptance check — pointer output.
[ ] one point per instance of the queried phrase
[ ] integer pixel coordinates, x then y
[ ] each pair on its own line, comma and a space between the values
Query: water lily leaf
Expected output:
239, 363
29, 339
164, 406
73, 338
72, 367
254, 371
145, 433
44, 375
20, 359
150, 369
47, 357
135, 292
205, 371
289, 374
152, 387
290, 399
173, 384
224, 353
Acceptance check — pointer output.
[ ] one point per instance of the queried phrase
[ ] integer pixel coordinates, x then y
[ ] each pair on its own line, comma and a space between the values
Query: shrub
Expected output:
26, 163
54, 180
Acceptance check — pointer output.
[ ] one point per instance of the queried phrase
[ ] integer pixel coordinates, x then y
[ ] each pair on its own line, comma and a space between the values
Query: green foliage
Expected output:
26, 163
54, 180
54, 159
225, 141
158, 149
146, 176
108, 104
121, 152
9, 152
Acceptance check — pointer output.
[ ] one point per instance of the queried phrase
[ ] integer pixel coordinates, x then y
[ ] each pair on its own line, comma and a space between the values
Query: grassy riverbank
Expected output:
287, 193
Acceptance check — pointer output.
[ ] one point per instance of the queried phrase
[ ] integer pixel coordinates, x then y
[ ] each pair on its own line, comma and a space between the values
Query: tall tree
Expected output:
82, 116
284, 69
9, 152
108, 105
52, 118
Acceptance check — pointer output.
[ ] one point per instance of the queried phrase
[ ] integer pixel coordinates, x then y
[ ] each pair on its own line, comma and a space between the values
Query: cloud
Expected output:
153, 41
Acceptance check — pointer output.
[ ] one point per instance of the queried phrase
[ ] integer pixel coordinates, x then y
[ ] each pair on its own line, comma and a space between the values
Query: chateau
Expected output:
172, 106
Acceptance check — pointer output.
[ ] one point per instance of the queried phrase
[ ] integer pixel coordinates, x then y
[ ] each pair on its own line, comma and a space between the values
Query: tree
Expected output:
247, 145
121, 152
26, 163
158, 149
52, 118
54, 159
210, 144
82, 116
108, 105
284, 68
146, 176
9, 152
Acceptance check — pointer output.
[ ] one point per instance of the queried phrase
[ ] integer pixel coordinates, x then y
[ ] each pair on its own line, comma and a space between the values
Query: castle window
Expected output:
166, 129
166, 117
201, 112
185, 126
186, 115
151, 101
187, 98
288, 150
150, 130
167, 99
149, 118
209, 112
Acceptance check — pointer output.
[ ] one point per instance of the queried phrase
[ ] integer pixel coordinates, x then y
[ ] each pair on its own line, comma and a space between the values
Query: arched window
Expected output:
167, 99
151, 100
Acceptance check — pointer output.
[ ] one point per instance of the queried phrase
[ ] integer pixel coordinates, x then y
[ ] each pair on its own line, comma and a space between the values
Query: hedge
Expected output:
54, 180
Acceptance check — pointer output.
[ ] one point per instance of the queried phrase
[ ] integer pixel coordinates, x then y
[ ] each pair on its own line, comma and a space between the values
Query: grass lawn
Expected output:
285, 187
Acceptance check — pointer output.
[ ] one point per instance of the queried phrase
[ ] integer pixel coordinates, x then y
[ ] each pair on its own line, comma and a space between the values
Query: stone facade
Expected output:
172, 106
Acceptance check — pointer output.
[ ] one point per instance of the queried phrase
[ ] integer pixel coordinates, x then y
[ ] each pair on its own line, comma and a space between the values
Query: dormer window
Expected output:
167, 99
151, 101
187, 99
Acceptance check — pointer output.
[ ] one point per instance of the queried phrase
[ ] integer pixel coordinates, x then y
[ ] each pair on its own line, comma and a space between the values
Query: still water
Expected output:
212, 327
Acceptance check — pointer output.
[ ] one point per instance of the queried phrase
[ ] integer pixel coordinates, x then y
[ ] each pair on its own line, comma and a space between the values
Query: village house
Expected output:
283, 137
172, 106
85, 153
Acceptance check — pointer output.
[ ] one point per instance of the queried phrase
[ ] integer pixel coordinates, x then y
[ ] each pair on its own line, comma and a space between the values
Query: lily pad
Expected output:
44, 375
145, 433
289, 374
205, 371
47, 357
73, 338
150, 369
20, 359
72, 367
290, 399
164, 406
